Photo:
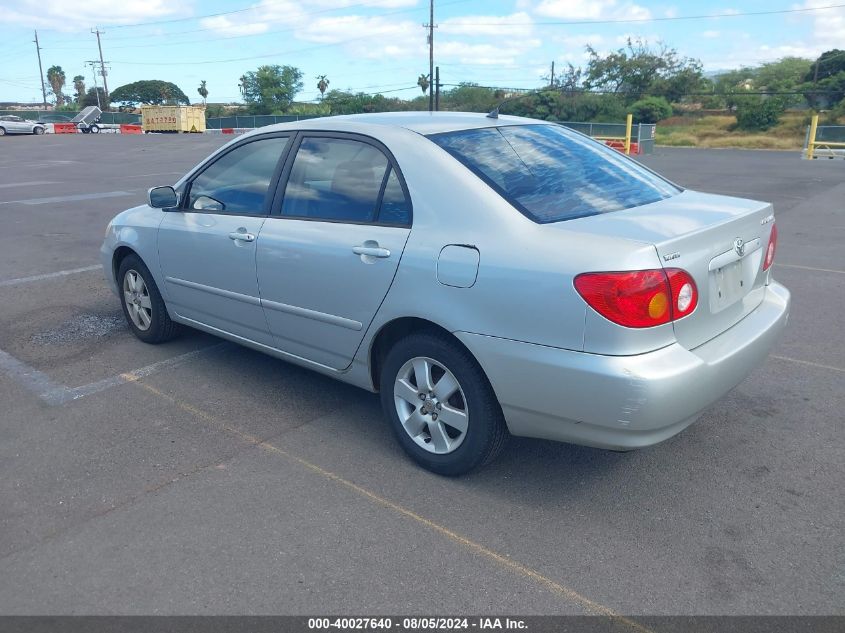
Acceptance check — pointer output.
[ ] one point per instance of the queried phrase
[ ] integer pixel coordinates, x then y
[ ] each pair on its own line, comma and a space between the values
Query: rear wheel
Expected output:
143, 306
95, 129
441, 406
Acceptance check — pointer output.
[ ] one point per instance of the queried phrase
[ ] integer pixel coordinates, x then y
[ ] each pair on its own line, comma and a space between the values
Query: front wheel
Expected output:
143, 306
2, 131
441, 406
38, 130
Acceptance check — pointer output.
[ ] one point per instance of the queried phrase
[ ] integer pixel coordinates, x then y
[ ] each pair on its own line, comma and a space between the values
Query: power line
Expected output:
650, 19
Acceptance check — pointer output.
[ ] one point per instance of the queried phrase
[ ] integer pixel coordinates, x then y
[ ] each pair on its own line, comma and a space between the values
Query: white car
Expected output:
11, 124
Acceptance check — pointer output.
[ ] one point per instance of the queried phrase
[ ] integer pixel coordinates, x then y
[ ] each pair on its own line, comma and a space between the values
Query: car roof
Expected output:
420, 122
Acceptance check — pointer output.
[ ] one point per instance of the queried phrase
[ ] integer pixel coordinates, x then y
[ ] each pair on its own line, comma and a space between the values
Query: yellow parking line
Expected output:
554, 587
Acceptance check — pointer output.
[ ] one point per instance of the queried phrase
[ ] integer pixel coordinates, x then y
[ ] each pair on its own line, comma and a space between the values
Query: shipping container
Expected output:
173, 118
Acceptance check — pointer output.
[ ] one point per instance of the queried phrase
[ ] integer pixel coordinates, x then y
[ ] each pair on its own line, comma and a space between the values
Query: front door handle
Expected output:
371, 251
242, 236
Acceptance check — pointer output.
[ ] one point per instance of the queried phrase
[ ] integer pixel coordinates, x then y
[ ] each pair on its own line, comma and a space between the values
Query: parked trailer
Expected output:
173, 118
88, 120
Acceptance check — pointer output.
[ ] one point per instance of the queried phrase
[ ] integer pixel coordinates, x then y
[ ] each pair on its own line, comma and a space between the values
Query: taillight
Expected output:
639, 298
769, 259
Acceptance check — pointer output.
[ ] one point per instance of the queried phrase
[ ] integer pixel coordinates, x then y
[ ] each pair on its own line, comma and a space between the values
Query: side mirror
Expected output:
162, 198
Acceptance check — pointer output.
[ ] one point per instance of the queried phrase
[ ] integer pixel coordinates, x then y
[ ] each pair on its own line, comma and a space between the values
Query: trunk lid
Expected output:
701, 234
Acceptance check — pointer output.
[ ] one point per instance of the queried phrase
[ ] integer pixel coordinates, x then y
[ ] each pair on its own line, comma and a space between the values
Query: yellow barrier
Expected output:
625, 140
812, 143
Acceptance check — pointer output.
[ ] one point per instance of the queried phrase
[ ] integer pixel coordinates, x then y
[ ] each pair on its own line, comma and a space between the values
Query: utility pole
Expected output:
40, 71
430, 27
102, 65
93, 64
437, 89
553, 75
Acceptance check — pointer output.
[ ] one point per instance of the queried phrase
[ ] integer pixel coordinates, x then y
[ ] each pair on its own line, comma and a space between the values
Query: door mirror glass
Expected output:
162, 198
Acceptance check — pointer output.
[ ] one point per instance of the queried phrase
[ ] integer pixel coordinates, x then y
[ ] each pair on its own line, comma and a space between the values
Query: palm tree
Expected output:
79, 88
56, 78
203, 91
322, 85
422, 82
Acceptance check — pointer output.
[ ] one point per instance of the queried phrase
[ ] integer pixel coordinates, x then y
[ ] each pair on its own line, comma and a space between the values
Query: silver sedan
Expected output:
487, 276
11, 124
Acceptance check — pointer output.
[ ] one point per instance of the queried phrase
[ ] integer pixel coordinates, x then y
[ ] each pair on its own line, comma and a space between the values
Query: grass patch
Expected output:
718, 131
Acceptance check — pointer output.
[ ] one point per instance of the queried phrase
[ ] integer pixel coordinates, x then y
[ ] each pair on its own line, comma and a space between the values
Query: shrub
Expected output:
651, 110
756, 113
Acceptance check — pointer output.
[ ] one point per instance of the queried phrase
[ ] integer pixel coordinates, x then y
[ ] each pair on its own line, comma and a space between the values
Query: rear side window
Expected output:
335, 179
394, 205
239, 181
551, 174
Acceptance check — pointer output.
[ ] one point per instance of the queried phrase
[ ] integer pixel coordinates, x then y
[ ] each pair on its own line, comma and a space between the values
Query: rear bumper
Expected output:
624, 402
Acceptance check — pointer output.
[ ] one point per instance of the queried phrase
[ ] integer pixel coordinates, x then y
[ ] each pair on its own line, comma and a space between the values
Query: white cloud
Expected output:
512, 26
61, 16
711, 35
591, 10
828, 25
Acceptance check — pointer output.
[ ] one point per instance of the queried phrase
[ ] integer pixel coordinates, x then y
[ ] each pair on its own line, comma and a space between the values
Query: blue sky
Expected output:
380, 45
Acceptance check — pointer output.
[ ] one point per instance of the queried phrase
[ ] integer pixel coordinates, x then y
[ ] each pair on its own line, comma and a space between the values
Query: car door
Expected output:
15, 125
329, 252
207, 247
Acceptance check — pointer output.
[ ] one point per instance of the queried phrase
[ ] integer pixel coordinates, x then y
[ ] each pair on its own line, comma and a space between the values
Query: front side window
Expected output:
239, 181
551, 173
335, 179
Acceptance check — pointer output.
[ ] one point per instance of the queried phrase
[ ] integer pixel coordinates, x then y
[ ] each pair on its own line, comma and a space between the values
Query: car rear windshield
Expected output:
551, 173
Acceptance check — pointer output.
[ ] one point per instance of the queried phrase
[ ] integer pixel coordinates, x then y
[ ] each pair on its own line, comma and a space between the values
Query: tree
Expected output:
96, 97
322, 85
150, 92
470, 97
422, 82
638, 70
56, 79
203, 91
651, 110
754, 112
79, 88
270, 89
825, 80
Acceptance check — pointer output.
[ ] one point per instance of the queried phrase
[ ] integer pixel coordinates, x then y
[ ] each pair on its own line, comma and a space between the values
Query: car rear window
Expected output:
551, 173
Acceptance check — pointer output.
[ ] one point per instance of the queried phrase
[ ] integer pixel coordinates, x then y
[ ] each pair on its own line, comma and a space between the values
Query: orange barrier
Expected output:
64, 128
128, 128
227, 130
620, 146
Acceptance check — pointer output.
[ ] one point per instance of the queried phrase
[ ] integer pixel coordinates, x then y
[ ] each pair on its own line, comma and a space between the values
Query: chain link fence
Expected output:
642, 134
257, 120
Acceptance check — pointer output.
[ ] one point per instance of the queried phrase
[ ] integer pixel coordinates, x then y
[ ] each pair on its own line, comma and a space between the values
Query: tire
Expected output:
441, 448
2, 131
142, 304
95, 129
38, 130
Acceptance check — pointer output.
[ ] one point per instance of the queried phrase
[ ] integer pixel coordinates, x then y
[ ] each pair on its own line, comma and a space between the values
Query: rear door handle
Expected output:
371, 251
243, 237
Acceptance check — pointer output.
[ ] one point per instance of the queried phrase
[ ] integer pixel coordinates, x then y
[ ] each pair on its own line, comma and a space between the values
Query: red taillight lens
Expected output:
769, 259
639, 298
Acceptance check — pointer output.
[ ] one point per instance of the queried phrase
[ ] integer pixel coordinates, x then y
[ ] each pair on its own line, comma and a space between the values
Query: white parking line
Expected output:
58, 273
820, 270
27, 184
809, 363
72, 198
56, 394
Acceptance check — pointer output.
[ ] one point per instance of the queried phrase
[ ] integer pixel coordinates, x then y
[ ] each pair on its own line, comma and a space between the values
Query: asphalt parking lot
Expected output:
199, 477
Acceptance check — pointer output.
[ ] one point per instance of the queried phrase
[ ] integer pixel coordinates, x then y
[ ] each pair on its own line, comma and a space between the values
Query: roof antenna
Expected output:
494, 113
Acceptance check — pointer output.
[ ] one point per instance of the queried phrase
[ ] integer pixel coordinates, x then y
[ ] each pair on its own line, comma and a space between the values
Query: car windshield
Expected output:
551, 173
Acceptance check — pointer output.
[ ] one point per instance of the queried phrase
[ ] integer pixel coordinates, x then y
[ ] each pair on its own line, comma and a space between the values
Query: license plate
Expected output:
727, 286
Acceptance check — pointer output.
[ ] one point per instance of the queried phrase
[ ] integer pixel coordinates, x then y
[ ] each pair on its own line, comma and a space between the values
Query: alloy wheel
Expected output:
136, 296
431, 405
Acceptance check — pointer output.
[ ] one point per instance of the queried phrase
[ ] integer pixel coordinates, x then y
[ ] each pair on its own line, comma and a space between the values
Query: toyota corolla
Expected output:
486, 275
